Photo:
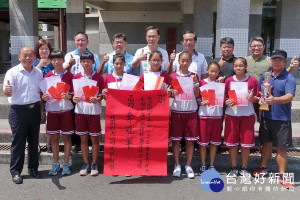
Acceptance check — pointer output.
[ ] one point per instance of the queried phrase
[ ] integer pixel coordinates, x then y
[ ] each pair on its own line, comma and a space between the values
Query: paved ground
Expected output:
136, 187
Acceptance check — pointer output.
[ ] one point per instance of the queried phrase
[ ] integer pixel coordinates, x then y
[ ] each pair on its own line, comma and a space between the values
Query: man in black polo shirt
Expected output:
226, 60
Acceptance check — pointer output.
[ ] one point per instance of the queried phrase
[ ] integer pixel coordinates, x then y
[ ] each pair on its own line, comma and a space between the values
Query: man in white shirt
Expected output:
140, 59
198, 65
21, 86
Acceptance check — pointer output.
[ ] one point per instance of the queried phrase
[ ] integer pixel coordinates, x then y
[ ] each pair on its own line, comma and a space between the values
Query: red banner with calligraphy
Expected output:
136, 133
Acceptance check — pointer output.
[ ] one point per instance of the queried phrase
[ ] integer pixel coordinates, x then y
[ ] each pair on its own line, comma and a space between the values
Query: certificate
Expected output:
48, 83
128, 82
150, 80
187, 86
219, 90
79, 84
241, 90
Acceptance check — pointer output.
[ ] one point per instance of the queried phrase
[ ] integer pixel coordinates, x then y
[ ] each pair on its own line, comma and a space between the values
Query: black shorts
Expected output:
276, 131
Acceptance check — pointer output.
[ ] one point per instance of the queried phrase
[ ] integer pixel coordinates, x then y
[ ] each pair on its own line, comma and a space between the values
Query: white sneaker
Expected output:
189, 172
94, 170
177, 170
85, 169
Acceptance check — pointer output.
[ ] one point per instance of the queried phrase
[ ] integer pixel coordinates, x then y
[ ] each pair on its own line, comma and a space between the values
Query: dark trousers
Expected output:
25, 125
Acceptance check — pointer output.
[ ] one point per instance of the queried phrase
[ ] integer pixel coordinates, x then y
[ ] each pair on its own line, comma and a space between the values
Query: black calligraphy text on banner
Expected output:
136, 132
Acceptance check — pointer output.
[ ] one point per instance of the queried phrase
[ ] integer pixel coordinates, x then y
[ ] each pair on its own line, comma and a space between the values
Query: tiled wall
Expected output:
291, 46
204, 46
17, 42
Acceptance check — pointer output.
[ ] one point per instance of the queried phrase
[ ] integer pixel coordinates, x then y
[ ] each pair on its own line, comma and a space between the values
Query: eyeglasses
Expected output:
257, 46
156, 61
152, 36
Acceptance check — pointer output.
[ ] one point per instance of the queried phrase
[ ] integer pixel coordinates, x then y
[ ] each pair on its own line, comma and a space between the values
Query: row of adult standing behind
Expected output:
137, 64
258, 63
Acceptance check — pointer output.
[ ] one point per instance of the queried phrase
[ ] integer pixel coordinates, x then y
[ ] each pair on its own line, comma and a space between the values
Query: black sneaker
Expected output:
245, 174
34, 173
233, 173
17, 179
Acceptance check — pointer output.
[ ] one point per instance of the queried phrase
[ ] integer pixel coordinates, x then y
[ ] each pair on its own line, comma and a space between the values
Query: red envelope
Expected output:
211, 97
159, 83
232, 95
86, 92
60, 87
67, 87
204, 95
93, 91
53, 91
89, 92
176, 85
139, 86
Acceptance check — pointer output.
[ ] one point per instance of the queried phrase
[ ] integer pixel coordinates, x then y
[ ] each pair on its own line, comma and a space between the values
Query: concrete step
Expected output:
6, 134
44, 159
4, 109
222, 158
5, 144
5, 131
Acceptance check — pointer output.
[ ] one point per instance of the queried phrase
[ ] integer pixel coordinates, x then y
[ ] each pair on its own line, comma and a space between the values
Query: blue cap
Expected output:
279, 54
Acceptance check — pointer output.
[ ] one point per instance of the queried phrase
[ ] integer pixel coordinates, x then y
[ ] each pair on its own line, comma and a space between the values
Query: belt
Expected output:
32, 105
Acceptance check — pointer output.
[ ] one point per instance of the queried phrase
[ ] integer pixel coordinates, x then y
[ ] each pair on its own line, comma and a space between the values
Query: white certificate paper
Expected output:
241, 90
219, 91
78, 84
150, 79
128, 82
187, 86
114, 85
47, 83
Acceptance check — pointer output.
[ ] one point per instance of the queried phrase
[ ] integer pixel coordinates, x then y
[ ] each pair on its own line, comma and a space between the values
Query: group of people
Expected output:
195, 120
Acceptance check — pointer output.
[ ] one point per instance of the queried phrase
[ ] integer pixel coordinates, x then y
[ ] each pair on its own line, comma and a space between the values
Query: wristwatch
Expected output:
292, 66
196, 84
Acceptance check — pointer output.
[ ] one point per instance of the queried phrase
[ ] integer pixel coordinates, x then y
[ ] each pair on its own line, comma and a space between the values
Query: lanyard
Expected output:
61, 74
90, 76
116, 78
